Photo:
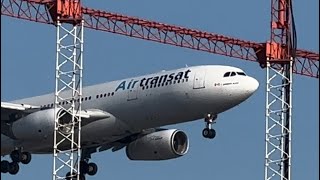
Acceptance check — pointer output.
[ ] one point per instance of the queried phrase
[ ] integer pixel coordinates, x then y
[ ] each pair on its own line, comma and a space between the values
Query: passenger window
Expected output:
233, 74
226, 74
241, 73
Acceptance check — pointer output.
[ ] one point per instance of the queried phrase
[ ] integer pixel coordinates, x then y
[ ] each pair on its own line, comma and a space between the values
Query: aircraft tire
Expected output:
209, 133
206, 132
212, 134
83, 167
25, 158
82, 177
68, 177
16, 156
4, 166
92, 169
13, 168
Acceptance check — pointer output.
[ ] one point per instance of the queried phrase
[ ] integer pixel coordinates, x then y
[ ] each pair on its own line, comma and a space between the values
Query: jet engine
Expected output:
161, 145
39, 125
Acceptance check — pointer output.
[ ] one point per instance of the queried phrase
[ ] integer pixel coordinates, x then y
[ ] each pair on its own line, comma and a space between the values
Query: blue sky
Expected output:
237, 152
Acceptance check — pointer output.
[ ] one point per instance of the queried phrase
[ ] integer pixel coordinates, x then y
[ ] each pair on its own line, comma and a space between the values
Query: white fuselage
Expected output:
149, 101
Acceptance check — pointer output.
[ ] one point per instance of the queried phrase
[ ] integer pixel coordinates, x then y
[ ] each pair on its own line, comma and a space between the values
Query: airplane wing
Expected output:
91, 115
11, 112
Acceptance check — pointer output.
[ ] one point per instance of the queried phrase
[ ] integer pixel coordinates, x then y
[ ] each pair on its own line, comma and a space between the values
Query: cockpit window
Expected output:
241, 73
226, 74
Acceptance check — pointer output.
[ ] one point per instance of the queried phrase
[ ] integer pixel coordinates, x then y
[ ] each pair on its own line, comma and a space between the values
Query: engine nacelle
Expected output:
161, 145
38, 125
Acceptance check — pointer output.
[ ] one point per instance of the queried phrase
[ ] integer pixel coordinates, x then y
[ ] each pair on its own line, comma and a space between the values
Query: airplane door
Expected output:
133, 94
199, 79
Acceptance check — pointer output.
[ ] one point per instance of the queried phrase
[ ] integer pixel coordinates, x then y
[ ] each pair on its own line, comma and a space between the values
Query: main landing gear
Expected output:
16, 157
85, 167
208, 132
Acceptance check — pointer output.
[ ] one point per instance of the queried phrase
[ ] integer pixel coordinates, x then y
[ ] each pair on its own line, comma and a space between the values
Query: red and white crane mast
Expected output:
281, 52
67, 17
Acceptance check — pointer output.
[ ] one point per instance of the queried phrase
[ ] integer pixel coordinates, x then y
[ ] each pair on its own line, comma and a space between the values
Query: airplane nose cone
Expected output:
252, 85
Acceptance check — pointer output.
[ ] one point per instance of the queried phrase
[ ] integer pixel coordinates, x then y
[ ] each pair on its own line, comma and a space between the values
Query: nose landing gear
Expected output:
209, 132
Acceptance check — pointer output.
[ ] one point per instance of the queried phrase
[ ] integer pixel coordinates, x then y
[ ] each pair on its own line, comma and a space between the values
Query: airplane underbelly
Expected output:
177, 107
162, 109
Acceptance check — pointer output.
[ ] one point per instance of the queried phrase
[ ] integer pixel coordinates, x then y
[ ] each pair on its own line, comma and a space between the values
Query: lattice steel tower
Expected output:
69, 56
280, 57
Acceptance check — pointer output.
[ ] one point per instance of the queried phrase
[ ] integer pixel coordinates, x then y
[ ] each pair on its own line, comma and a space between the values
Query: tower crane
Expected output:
279, 56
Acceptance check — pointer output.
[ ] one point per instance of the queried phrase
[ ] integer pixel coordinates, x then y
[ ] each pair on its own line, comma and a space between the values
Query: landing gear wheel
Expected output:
16, 156
71, 177
74, 176
212, 134
82, 177
206, 132
25, 158
209, 133
4, 166
83, 167
68, 176
92, 169
13, 168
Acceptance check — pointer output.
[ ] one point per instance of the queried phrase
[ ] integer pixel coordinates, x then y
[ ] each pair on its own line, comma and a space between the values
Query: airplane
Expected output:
126, 114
